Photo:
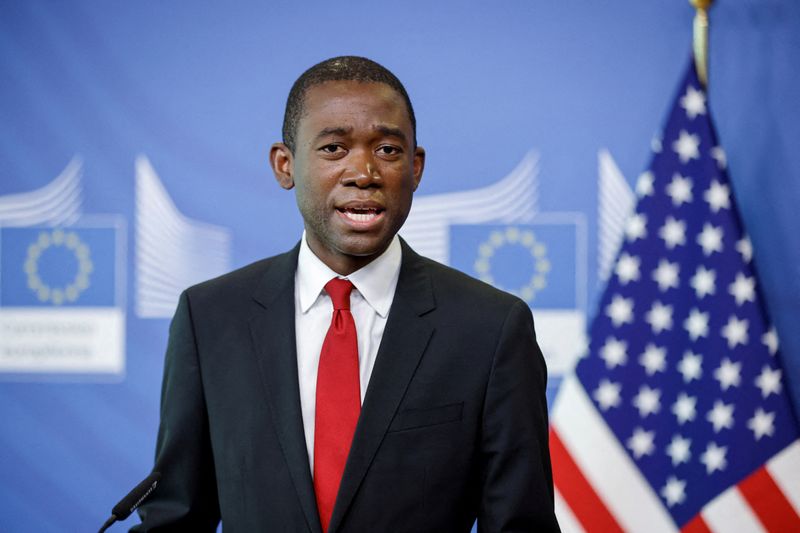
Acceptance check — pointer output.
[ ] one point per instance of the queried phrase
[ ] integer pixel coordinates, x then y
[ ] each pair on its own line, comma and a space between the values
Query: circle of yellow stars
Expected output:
513, 236
71, 291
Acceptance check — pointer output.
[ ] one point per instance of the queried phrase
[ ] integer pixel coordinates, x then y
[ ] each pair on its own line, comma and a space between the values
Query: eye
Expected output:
331, 149
389, 150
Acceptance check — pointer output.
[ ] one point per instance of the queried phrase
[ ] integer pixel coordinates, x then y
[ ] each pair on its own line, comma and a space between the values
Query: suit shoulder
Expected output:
242, 281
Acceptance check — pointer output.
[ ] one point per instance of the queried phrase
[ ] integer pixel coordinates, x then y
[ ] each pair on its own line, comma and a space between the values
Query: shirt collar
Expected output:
376, 281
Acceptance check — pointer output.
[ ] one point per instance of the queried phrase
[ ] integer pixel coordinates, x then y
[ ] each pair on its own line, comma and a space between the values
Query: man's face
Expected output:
354, 170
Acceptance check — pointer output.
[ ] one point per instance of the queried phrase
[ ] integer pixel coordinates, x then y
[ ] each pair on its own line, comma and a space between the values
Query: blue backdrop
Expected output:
133, 162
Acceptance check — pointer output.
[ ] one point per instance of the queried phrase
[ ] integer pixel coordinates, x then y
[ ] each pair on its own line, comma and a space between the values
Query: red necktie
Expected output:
338, 399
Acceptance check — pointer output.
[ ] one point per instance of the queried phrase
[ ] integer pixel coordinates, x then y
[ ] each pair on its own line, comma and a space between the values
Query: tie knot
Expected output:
339, 291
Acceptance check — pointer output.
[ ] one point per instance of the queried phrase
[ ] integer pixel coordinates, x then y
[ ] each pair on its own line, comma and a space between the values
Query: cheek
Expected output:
402, 186
312, 199
316, 180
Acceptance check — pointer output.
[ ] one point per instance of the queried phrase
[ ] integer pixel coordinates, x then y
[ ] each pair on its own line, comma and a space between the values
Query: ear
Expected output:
419, 165
282, 162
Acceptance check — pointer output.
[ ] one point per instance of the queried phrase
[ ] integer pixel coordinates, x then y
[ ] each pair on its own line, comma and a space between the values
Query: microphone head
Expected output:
129, 503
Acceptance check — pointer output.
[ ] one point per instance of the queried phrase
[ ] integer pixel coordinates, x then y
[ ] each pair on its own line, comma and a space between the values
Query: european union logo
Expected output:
520, 259
58, 267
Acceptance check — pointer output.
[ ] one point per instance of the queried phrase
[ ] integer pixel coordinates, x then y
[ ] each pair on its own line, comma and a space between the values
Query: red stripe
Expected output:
584, 502
696, 525
768, 502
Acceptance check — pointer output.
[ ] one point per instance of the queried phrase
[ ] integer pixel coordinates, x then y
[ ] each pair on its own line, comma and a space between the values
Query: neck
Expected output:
341, 263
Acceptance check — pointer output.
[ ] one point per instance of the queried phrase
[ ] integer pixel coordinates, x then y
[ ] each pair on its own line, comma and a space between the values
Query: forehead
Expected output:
353, 103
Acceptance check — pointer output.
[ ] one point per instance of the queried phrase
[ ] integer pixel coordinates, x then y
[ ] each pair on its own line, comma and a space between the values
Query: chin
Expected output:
359, 247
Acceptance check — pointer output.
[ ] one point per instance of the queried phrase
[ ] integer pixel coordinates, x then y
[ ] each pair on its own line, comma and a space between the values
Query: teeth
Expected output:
361, 216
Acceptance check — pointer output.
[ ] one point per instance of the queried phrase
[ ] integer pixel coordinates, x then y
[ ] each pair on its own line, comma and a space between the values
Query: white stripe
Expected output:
605, 464
44, 194
58, 202
172, 250
513, 199
616, 201
519, 187
53, 197
785, 470
566, 520
729, 512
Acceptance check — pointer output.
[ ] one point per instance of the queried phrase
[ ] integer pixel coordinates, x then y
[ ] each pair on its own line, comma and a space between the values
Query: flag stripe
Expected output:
567, 521
769, 503
730, 512
603, 462
696, 525
585, 504
785, 470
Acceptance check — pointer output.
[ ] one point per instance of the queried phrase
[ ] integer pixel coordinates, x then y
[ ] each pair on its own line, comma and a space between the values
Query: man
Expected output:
351, 385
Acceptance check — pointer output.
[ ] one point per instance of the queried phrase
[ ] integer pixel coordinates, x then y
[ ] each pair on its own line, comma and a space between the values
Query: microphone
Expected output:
129, 503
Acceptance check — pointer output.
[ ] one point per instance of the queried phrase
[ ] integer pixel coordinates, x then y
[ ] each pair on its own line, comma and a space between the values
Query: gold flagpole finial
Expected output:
701, 38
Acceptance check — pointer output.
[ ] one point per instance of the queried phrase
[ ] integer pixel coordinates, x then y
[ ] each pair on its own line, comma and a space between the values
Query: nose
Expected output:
361, 171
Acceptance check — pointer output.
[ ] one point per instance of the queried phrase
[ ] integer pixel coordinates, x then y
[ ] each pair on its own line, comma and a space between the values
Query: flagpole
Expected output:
701, 38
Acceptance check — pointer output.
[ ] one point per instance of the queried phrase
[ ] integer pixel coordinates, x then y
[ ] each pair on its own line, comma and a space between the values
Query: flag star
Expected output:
718, 196
685, 408
743, 289
691, 366
641, 442
762, 424
694, 102
614, 352
636, 227
656, 144
674, 492
678, 450
607, 394
687, 146
673, 232
719, 156
666, 275
714, 458
647, 401
653, 359
659, 317
721, 416
710, 239
745, 247
644, 185
680, 190
769, 381
627, 268
728, 374
770, 340
620, 310
704, 282
735, 331
696, 324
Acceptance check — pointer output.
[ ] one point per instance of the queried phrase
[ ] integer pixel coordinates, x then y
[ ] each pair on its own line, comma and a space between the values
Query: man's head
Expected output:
342, 68
353, 161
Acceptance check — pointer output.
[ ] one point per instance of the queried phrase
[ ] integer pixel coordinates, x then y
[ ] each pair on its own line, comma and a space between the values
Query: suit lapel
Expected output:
404, 341
273, 331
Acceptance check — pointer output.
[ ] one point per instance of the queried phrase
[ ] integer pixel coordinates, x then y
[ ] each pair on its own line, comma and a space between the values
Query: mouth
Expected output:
361, 215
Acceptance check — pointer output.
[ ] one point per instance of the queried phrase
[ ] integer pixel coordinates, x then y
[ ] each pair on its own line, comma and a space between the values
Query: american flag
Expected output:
678, 418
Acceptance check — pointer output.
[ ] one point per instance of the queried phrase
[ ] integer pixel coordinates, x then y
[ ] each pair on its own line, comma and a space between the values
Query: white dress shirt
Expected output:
370, 302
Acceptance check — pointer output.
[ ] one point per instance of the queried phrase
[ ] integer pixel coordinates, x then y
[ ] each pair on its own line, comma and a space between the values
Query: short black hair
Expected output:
342, 68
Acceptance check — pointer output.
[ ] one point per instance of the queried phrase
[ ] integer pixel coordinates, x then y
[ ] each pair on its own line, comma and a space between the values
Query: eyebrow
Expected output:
391, 132
388, 131
332, 131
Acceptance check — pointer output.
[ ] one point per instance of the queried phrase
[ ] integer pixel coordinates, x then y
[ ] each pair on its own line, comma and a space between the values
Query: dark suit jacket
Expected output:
453, 425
